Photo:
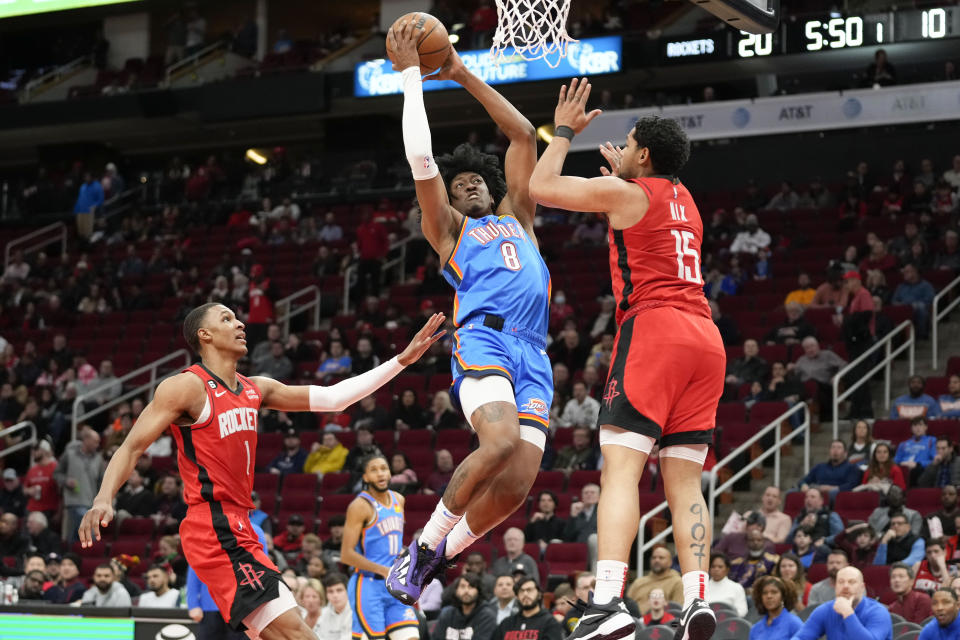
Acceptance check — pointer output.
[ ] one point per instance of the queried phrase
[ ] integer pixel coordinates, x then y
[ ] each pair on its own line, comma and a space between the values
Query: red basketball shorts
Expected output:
666, 376
221, 546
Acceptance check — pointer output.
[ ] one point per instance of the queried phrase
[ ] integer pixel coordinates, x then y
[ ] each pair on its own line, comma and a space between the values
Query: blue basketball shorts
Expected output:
376, 613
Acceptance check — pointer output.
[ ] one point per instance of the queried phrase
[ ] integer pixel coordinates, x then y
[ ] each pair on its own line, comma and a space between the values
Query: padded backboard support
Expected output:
752, 16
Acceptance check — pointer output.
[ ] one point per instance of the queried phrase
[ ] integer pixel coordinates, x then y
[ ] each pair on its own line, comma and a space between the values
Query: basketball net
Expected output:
535, 29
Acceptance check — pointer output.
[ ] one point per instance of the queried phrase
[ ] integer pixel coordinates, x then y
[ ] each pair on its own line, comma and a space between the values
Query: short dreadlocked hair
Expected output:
668, 144
465, 158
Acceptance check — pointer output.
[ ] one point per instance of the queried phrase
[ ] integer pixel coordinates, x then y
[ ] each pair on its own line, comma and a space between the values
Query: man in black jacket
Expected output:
533, 622
466, 619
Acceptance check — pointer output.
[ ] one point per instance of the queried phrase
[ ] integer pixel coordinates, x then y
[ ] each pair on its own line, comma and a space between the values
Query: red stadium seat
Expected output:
337, 502
453, 439
896, 431
299, 482
303, 501
136, 527
333, 481
816, 572
133, 545
266, 483
856, 505
548, 480
923, 500
580, 478
566, 558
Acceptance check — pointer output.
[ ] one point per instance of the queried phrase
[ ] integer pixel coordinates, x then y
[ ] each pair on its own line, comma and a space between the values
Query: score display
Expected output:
811, 34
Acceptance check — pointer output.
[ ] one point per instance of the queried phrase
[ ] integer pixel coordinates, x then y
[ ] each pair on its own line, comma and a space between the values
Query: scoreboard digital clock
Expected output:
810, 34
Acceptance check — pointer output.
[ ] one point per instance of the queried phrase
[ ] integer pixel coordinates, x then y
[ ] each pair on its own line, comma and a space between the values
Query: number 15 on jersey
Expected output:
684, 251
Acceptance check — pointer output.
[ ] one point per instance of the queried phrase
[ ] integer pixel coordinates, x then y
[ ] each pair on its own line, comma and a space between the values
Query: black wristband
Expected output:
563, 131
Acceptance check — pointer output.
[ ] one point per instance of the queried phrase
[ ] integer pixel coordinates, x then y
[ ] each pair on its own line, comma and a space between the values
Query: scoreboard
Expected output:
813, 33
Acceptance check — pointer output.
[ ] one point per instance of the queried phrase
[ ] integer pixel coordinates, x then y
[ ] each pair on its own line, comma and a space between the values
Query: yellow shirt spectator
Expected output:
326, 456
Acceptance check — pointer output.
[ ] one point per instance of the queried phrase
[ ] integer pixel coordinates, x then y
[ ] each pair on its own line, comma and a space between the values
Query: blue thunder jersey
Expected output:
376, 613
382, 540
497, 269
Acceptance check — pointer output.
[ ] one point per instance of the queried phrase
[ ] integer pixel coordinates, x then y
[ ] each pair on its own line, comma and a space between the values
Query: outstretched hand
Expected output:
571, 107
424, 339
614, 156
404, 45
99, 515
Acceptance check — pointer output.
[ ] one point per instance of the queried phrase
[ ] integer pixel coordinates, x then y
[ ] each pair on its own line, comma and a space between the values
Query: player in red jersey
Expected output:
668, 364
212, 412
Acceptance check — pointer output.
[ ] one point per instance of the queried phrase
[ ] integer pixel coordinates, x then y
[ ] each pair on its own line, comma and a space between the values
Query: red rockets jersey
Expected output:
217, 455
657, 260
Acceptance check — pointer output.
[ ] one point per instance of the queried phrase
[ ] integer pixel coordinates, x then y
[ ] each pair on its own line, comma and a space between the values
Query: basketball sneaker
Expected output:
413, 569
609, 621
697, 622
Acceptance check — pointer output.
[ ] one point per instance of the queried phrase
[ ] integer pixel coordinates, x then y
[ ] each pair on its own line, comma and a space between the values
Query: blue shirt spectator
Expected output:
899, 543
850, 616
920, 449
783, 626
950, 402
916, 403
90, 196
918, 294
836, 474
291, 459
946, 623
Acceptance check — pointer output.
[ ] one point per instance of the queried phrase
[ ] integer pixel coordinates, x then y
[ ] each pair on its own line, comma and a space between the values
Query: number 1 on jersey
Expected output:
394, 544
684, 272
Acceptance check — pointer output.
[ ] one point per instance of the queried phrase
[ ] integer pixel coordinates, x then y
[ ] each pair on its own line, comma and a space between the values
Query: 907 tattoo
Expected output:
698, 532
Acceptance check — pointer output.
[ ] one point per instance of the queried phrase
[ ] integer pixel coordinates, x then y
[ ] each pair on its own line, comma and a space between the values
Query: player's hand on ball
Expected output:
613, 155
99, 515
424, 339
571, 107
451, 69
404, 47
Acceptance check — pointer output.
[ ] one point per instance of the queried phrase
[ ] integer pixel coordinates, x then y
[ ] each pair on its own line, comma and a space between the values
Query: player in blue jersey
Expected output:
372, 539
479, 220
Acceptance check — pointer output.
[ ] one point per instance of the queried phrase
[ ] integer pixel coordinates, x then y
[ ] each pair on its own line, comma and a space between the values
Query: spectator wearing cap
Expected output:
41, 539
751, 239
39, 485
734, 543
121, 565
291, 540
915, 404
68, 587
292, 458
12, 499
513, 556
51, 569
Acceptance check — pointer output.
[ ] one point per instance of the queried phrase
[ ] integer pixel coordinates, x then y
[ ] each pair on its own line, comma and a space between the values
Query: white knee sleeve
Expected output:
476, 392
266, 613
404, 633
622, 438
692, 452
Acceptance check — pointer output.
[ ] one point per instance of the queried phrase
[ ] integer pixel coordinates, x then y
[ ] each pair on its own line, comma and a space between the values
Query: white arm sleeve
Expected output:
416, 129
343, 394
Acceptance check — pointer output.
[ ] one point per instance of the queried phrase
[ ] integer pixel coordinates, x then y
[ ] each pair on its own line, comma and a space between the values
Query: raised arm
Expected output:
174, 397
605, 194
440, 221
521, 156
338, 397
358, 514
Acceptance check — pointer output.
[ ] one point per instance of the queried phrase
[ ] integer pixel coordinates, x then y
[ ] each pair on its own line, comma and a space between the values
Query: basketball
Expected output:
433, 42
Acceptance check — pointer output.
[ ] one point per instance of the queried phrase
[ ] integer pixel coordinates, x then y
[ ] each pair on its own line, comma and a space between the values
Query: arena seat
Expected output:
896, 431
580, 478
855, 505
566, 558
816, 572
299, 482
923, 500
303, 501
333, 481
135, 526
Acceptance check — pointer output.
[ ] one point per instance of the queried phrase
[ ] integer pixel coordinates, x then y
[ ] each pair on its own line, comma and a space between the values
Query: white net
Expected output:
535, 29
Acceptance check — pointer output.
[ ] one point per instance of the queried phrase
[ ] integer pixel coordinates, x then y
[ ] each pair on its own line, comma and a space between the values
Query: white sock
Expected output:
611, 577
459, 538
694, 586
440, 524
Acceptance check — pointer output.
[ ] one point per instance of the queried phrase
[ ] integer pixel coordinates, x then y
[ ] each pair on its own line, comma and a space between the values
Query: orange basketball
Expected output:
433, 42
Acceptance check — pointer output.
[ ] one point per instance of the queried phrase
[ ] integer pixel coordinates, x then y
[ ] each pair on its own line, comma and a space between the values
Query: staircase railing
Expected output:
29, 443
53, 76
285, 310
80, 416
398, 262
937, 314
885, 343
37, 239
644, 545
184, 65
